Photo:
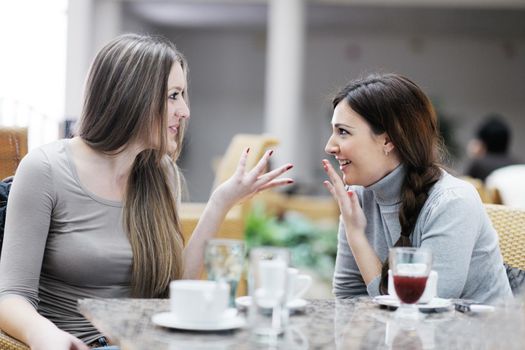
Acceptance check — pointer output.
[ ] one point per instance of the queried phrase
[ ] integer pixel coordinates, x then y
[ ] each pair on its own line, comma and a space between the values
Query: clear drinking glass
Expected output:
224, 260
410, 268
267, 284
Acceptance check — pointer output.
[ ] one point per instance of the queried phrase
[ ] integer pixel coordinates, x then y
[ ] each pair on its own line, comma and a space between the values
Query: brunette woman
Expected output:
394, 193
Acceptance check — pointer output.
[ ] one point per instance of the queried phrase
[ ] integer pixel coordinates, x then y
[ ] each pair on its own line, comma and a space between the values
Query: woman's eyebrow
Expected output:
338, 125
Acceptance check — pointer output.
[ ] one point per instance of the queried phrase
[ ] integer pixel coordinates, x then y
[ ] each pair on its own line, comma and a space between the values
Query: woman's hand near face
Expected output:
243, 184
353, 216
355, 222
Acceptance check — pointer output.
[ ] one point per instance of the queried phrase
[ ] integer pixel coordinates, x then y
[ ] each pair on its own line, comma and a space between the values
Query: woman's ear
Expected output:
388, 145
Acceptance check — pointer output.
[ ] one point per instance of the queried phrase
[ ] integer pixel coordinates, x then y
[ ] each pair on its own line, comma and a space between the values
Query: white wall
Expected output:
466, 76
468, 69
32, 67
226, 86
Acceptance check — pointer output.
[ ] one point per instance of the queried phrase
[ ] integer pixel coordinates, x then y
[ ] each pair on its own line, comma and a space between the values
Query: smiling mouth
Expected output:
344, 163
173, 129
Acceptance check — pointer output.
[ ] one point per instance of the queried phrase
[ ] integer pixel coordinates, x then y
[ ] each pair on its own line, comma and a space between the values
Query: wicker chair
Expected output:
510, 226
13, 147
9, 343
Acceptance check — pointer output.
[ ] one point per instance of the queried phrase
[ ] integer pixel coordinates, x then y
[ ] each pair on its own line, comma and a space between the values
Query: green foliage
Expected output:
312, 245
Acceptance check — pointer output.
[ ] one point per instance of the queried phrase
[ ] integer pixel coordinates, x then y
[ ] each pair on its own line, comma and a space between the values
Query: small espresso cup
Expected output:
298, 284
198, 301
430, 288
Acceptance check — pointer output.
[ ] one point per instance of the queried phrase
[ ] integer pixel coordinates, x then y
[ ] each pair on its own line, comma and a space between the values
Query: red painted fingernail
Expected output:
248, 150
271, 152
290, 181
289, 166
350, 194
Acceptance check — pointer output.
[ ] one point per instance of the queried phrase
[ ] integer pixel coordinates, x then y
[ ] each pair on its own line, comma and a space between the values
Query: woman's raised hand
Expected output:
243, 184
352, 213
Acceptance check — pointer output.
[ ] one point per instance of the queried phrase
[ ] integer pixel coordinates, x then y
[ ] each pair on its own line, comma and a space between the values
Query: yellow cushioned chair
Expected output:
510, 226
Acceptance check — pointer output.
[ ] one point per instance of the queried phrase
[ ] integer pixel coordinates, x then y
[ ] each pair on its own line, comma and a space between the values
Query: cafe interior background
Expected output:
270, 67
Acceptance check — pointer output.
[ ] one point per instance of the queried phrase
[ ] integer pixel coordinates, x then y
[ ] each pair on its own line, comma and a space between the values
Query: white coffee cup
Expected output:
298, 284
199, 301
272, 275
430, 288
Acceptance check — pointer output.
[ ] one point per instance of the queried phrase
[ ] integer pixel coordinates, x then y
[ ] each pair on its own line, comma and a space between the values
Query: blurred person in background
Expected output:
95, 216
489, 149
394, 193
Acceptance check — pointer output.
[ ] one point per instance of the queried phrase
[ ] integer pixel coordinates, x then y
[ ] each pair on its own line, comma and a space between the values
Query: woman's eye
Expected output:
173, 96
343, 132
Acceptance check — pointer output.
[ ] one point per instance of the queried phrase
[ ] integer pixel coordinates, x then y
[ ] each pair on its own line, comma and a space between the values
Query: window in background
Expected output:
33, 66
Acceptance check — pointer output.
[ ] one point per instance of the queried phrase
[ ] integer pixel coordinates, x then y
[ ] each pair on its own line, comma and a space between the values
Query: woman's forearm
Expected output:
207, 227
21, 321
366, 258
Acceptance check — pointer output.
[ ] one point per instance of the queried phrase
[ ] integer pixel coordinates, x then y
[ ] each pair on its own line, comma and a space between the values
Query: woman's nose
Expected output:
183, 112
330, 147
184, 115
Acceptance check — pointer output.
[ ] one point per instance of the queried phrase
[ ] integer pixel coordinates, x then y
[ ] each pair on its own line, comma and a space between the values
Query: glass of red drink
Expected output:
410, 269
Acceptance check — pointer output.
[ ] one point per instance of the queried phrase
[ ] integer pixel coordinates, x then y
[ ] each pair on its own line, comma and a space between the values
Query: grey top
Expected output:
62, 242
452, 223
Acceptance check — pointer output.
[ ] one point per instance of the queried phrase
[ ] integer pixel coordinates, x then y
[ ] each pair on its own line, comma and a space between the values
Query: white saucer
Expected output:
436, 303
230, 320
293, 305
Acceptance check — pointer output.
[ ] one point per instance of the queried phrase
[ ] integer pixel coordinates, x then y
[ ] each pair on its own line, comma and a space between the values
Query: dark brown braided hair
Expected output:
394, 104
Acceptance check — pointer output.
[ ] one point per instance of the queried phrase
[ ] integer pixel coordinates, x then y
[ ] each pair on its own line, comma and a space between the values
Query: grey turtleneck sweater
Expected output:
452, 223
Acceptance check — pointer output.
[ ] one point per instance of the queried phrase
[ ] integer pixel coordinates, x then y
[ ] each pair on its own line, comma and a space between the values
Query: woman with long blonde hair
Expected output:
96, 215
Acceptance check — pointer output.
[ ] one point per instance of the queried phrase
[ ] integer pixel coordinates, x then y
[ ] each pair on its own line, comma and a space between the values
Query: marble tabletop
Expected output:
323, 324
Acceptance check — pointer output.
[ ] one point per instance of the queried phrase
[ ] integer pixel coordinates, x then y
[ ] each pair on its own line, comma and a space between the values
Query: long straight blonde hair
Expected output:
125, 101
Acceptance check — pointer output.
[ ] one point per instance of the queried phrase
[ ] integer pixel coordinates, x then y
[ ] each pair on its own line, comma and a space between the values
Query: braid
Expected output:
414, 193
